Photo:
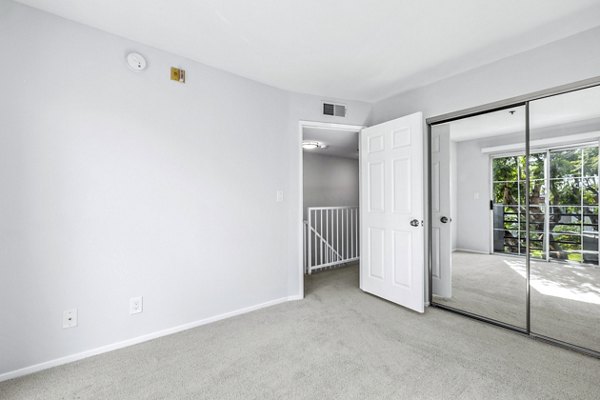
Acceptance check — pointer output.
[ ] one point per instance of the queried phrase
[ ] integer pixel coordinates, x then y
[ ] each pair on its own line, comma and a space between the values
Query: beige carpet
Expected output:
486, 285
338, 343
565, 299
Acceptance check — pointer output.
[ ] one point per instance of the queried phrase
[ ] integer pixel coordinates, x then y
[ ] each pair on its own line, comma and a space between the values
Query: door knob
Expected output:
414, 222
443, 220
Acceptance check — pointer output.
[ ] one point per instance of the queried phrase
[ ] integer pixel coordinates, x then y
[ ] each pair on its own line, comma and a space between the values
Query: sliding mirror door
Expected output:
478, 211
565, 277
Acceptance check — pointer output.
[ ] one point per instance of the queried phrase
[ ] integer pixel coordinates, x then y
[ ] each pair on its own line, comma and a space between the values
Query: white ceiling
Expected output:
487, 125
358, 49
339, 143
554, 111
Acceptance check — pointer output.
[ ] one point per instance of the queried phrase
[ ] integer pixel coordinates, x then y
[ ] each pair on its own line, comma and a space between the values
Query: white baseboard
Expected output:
472, 251
140, 339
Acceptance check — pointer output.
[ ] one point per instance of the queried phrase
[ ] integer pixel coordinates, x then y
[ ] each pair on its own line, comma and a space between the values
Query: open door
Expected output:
441, 221
391, 207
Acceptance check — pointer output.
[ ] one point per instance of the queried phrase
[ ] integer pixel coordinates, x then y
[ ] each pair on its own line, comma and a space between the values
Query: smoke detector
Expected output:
136, 61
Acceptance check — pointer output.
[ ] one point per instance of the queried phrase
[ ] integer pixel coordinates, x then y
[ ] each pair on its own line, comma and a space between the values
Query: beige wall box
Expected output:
177, 74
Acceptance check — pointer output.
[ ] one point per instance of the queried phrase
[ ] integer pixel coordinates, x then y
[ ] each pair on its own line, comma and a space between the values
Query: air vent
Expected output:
335, 110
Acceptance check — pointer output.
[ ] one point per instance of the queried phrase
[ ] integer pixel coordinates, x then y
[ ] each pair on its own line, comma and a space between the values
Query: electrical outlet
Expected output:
279, 196
136, 305
70, 318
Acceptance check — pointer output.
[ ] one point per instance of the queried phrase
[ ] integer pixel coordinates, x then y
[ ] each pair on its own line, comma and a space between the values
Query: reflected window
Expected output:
509, 190
563, 204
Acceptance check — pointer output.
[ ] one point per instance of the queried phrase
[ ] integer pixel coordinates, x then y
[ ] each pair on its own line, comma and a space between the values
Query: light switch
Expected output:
476, 196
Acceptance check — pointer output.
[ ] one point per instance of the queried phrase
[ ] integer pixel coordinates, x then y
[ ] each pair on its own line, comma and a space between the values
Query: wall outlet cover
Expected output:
136, 305
70, 318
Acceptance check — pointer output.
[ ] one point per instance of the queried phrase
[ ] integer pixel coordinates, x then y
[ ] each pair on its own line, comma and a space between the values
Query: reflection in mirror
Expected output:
565, 277
478, 173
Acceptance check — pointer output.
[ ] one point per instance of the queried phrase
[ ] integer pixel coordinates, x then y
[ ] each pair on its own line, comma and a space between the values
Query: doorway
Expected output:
330, 196
387, 231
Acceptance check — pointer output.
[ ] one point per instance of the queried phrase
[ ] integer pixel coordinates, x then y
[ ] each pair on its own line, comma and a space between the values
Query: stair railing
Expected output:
331, 237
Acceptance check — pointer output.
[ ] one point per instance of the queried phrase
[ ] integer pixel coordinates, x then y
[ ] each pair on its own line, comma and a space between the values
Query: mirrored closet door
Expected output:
515, 217
478, 215
565, 277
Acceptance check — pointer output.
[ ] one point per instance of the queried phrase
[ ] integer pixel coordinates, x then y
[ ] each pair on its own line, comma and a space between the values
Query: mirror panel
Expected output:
565, 277
478, 172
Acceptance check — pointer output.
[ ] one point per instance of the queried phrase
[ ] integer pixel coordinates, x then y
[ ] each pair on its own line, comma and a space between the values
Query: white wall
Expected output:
568, 60
473, 190
329, 181
118, 184
472, 223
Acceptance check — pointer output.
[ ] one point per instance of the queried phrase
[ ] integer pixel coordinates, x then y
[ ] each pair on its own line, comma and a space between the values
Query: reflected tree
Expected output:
572, 187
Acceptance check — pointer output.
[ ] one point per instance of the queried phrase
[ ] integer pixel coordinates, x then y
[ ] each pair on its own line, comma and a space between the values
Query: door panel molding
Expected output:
392, 211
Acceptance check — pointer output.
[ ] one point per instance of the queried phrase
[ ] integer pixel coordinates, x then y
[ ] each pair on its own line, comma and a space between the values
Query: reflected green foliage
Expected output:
572, 196
505, 169
565, 191
537, 162
566, 163
590, 161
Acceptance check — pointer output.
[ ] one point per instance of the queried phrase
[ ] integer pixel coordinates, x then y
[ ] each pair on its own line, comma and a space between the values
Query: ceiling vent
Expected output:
334, 110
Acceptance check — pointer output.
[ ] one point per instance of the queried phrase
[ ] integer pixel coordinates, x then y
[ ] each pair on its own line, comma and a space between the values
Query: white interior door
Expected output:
392, 262
441, 221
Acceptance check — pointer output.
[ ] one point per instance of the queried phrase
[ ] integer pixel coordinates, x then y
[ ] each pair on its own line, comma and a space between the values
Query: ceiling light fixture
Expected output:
312, 145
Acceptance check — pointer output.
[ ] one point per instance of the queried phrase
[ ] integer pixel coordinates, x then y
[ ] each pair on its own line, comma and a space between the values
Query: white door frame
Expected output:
300, 223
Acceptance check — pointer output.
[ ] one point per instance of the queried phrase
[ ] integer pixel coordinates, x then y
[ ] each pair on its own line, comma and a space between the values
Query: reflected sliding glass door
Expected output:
509, 203
563, 204
565, 277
